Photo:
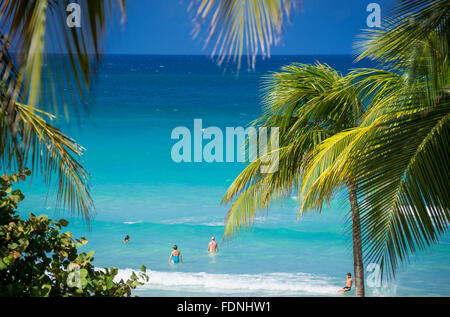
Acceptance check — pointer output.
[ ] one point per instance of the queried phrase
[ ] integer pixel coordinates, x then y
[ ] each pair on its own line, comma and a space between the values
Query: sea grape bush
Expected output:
38, 259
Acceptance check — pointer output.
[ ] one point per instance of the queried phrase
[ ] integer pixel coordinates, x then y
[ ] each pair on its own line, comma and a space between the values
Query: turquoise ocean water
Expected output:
138, 190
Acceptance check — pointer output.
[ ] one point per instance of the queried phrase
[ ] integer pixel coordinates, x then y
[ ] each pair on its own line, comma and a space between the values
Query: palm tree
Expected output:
394, 161
400, 150
309, 103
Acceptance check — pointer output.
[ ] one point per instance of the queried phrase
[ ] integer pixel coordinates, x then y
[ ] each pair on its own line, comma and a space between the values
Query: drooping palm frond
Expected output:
49, 152
253, 192
238, 26
33, 78
53, 152
404, 181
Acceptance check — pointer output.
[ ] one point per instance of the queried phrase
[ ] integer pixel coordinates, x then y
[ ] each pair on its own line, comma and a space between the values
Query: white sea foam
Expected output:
213, 224
132, 222
205, 221
275, 284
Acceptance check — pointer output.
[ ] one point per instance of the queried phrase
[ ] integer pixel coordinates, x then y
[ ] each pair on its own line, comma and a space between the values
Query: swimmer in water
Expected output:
175, 256
127, 239
348, 284
213, 246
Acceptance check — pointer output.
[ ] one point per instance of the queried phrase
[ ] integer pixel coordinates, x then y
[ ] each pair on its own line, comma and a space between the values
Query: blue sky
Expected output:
163, 27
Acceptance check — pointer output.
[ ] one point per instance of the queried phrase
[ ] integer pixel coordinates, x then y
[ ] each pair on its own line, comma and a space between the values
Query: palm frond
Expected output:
49, 152
404, 181
328, 168
238, 26
414, 37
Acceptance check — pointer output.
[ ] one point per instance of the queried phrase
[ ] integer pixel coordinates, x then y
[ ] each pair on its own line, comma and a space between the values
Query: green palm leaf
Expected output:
50, 152
404, 181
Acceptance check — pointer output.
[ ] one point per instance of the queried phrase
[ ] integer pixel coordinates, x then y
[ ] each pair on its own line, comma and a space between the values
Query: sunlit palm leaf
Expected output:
253, 191
328, 169
49, 152
55, 153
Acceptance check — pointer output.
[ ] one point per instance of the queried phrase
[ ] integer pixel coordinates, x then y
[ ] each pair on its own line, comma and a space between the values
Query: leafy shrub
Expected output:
38, 259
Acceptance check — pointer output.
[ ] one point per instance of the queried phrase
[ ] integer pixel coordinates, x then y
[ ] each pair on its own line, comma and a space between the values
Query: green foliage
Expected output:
38, 259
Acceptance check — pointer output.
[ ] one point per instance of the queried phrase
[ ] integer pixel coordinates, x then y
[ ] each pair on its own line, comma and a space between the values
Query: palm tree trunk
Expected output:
357, 245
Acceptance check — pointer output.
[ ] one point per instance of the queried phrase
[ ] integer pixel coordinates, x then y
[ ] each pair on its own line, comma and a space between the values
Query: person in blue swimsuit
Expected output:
175, 256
